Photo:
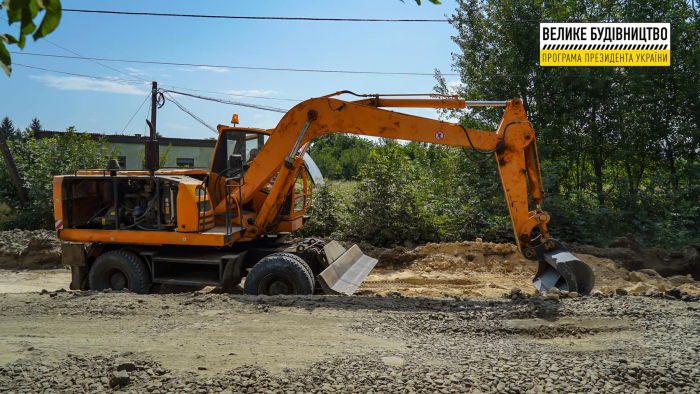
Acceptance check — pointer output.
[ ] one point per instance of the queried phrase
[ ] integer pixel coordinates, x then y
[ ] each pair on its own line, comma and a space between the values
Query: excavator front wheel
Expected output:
280, 274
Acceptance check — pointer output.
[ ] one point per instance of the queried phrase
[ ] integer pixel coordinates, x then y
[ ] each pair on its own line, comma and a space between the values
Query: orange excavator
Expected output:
138, 230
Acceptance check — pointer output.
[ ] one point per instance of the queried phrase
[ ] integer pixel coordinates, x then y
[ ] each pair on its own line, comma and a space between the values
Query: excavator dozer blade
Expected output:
563, 270
347, 269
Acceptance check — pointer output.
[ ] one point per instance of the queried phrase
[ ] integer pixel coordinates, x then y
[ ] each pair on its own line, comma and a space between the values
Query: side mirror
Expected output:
235, 161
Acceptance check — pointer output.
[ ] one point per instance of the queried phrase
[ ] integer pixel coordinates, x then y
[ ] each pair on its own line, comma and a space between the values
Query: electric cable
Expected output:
188, 112
284, 18
261, 107
230, 94
230, 67
79, 75
137, 111
83, 57
94, 61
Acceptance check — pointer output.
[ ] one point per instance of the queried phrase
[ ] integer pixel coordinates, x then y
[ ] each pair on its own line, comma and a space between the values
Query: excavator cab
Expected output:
237, 141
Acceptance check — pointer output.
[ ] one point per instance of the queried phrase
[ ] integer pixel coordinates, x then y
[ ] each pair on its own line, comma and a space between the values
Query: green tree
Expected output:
327, 213
340, 156
8, 129
390, 204
25, 11
164, 159
35, 125
618, 145
38, 161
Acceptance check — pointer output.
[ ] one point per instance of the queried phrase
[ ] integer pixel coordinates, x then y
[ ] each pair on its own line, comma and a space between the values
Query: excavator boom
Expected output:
513, 145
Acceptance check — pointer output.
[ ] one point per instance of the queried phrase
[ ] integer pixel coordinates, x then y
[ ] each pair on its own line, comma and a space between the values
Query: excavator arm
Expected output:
513, 144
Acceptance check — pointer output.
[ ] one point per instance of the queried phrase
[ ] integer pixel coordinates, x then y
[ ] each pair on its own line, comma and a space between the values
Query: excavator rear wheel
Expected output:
119, 270
279, 274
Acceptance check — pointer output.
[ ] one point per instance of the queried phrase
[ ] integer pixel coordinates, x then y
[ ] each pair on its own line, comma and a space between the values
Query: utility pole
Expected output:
12, 168
152, 147
154, 107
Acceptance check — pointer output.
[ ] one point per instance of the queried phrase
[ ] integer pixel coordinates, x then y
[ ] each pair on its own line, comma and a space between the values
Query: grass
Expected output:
343, 188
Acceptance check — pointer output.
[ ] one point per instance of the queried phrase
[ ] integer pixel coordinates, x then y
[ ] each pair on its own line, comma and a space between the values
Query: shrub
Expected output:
38, 161
327, 213
390, 204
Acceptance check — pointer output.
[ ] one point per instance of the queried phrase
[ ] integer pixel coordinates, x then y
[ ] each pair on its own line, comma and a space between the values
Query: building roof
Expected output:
137, 139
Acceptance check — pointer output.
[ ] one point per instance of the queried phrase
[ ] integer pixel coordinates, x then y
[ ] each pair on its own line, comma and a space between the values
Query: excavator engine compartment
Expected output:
136, 203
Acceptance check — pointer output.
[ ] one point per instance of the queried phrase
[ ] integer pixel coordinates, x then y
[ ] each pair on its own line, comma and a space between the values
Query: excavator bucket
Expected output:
563, 270
347, 269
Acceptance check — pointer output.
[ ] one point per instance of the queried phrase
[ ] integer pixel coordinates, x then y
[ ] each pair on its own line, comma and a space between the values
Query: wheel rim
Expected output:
276, 284
117, 279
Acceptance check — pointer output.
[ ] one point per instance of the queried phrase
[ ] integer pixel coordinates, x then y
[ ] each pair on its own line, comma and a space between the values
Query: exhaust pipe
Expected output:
346, 270
559, 268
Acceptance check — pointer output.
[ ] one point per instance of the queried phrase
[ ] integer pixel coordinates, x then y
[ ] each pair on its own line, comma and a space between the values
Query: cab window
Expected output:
237, 142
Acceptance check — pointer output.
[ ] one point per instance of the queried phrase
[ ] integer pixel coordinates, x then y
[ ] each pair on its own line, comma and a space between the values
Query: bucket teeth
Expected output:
564, 271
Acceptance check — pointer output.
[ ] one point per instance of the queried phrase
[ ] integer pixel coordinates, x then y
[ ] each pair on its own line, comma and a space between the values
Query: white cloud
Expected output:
455, 85
265, 121
252, 92
206, 68
146, 71
265, 125
177, 126
79, 83
215, 69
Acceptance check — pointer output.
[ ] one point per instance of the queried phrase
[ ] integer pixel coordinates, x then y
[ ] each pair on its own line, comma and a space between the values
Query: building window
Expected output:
185, 162
122, 162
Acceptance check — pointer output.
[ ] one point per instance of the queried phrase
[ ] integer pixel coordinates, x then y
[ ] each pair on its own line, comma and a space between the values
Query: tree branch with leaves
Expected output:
25, 12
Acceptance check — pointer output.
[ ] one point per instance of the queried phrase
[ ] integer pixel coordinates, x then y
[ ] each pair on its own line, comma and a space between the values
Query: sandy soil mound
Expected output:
459, 268
489, 269
29, 249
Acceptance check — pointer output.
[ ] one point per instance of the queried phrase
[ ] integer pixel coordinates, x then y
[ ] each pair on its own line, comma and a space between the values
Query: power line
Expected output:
80, 75
172, 86
307, 19
231, 94
128, 81
137, 111
232, 67
93, 60
83, 57
185, 110
282, 18
262, 107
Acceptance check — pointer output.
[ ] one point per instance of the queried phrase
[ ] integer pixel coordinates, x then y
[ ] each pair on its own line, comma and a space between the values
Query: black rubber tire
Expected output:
307, 267
134, 271
304, 264
231, 279
289, 271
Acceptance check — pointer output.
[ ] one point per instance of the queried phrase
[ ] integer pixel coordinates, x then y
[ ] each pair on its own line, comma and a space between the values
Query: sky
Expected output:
104, 106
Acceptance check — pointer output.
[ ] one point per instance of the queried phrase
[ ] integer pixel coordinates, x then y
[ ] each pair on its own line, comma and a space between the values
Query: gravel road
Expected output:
87, 342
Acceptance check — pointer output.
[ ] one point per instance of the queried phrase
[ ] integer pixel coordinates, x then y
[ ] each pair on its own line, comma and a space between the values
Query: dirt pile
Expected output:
627, 252
489, 269
29, 249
